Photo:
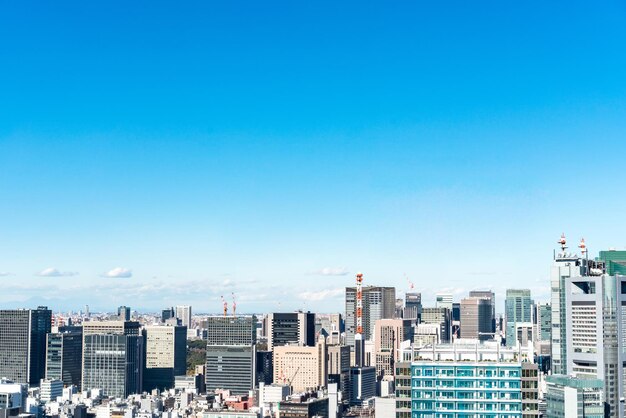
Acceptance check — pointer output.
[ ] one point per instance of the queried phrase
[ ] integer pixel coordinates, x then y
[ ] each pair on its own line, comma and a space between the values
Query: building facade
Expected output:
518, 309
302, 368
378, 303
441, 317
290, 328
183, 312
388, 337
569, 397
166, 355
23, 344
476, 318
64, 352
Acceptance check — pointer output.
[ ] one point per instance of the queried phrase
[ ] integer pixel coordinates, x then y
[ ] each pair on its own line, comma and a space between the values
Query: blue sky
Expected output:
273, 149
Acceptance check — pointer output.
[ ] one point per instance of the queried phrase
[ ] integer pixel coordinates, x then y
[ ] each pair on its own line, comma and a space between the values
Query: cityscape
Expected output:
380, 355
329, 209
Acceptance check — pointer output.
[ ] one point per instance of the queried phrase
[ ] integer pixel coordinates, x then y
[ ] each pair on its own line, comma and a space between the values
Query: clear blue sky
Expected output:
209, 147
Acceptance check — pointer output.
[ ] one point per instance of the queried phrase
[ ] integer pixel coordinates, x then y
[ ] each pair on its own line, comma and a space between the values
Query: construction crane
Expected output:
225, 306
411, 286
234, 304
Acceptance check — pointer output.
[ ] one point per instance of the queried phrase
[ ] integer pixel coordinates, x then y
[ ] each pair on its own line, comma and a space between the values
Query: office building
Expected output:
427, 334
569, 397
444, 300
167, 314
231, 353
378, 303
304, 408
476, 318
50, 389
614, 261
184, 314
123, 313
23, 344
338, 368
264, 367
438, 316
302, 368
388, 337
362, 385
491, 296
64, 353
470, 380
412, 305
543, 321
290, 328
166, 355
113, 353
518, 308
530, 390
596, 312
13, 398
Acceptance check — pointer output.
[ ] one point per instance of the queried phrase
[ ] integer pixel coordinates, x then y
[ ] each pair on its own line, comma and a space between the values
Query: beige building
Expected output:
388, 336
301, 367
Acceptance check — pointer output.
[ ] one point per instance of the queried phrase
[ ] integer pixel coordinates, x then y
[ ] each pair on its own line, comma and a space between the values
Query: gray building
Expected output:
569, 397
487, 294
123, 313
476, 318
64, 353
23, 344
378, 303
412, 305
543, 319
183, 312
362, 385
438, 316
596, 315
290, 328
166, 355
518, 309
338, 368
113, 354
231, 353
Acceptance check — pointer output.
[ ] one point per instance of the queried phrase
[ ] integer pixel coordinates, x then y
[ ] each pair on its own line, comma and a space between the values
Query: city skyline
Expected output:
262, 150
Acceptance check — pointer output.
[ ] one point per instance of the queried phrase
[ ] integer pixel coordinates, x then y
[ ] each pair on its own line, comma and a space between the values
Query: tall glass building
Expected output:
518, 307
64, 351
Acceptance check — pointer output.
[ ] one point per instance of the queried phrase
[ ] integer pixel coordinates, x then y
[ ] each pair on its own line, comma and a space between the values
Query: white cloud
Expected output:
54, 272
5, 273
119, 272
321, 294
331, 271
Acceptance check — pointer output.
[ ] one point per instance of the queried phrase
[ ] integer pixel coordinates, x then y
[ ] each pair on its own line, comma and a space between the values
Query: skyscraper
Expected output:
518, 309
231, 353
290, 328
113, 353
596, 314
441, 317
166, 355
544, 321
378, 303
388, 337
123, 313
476, 318
183, 313
23, 344
487, 294
64, 353
412, 305
167, 314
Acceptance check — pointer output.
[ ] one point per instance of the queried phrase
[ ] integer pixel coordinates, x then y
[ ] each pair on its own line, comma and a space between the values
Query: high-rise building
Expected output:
596, 313
388, 337
64, 353
362, 385
378, 303
615, 262
290, 328
461, 380
570, 397
231, 353
338, 368
412, 305
438, 316
264, 367
113, 353
518, 308
123, 313
302, 368
166, 355
476, 318
444, 300
543, 321
487, 294
23, 344
167, 314
183, 313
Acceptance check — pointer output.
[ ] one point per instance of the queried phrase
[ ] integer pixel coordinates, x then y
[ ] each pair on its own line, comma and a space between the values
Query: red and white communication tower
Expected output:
359, 304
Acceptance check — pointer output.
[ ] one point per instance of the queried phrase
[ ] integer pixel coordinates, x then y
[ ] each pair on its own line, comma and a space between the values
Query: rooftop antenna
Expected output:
359, 341
225, 306
563, 242
583, 247
234, 304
